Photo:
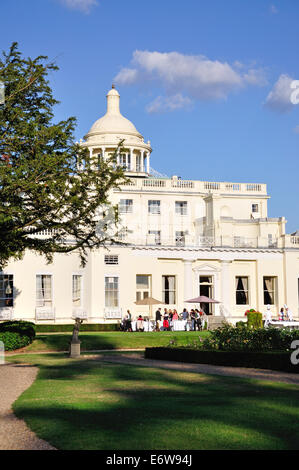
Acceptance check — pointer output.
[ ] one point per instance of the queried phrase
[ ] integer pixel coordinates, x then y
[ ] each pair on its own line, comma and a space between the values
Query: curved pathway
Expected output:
14, 434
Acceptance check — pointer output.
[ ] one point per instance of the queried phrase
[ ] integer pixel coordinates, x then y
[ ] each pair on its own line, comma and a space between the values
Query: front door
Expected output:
206, 288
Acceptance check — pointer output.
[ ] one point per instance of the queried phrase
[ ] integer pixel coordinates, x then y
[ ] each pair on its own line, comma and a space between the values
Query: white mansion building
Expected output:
184, 238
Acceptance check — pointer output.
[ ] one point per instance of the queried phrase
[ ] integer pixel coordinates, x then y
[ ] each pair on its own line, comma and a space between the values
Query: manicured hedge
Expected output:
261, 360
13, 340
24, 328
83, 327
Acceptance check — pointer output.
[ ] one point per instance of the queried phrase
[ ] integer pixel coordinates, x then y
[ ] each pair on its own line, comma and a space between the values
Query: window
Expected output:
125, 161
44, 290
6, 290
111, 291
180, 238
125, 206
269, 290
168, 289
239, 242
142, 286
157, 235
272, 243
242, 290
123, 233
77, 290
254, 207
154, 207
181, 207
111, 259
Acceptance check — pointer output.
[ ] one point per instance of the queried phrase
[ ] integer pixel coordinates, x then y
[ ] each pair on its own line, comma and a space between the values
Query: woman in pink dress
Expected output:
175, 315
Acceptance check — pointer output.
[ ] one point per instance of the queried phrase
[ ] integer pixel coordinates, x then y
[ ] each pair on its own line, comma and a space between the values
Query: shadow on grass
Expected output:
61, 342
93, 405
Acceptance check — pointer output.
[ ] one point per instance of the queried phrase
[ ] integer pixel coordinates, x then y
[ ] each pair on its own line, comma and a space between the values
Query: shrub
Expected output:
254, 319
13, 340
241, 324
24, 328
229, 338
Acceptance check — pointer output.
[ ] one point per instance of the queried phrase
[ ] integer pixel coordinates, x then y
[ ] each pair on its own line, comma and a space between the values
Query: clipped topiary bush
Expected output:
13, 340
24, 328
16, 334
254, 319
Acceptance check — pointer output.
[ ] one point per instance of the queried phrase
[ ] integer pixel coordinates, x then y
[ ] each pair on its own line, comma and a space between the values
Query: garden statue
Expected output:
75, 342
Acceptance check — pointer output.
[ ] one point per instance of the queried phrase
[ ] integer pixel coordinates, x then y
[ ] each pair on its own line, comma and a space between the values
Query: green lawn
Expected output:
88, 404
112, 340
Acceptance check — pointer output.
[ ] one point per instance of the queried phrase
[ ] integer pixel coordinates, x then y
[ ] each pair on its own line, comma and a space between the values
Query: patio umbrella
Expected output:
148, 301
202, 299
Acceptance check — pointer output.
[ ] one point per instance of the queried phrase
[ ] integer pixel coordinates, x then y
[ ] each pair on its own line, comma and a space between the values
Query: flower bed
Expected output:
229, 338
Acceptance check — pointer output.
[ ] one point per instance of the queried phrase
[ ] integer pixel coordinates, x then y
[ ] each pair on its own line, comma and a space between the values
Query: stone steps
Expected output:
215, 321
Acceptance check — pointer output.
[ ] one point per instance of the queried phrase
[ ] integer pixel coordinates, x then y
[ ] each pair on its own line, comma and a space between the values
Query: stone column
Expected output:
142, 161
132, 164
188, 279
225, 286
103, 152
148, 162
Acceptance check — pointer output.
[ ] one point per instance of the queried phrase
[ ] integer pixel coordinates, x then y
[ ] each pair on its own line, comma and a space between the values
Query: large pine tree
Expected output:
47, 181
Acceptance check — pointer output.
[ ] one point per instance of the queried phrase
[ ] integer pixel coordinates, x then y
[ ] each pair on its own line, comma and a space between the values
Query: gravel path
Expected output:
14, 434
259, 374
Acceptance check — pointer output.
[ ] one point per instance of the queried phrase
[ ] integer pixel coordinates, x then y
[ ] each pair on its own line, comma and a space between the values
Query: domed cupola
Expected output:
106, 133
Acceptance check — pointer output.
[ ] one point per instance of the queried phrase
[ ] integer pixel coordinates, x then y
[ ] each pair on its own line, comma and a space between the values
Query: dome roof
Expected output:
113, 122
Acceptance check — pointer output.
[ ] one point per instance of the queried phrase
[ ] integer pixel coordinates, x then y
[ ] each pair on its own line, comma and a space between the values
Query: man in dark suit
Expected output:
158, 319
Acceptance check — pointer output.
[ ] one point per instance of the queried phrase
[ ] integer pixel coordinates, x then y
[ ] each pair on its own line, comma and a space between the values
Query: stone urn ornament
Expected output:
75, 342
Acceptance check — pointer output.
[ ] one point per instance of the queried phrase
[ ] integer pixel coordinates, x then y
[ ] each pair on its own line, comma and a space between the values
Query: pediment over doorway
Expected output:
204, 268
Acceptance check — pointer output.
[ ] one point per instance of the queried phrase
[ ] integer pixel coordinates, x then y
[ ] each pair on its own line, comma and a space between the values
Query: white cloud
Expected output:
273, 10
196, 77
128, 76
169, 103
81, 5
255, 77
279, 98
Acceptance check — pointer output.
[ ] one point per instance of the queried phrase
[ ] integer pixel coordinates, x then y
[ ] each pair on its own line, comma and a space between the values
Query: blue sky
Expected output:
207, 82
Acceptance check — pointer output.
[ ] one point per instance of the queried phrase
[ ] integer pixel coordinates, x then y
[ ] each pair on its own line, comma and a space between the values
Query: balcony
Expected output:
174, 185
112, 313
203, 242
6, 313
44, 313
79, 312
